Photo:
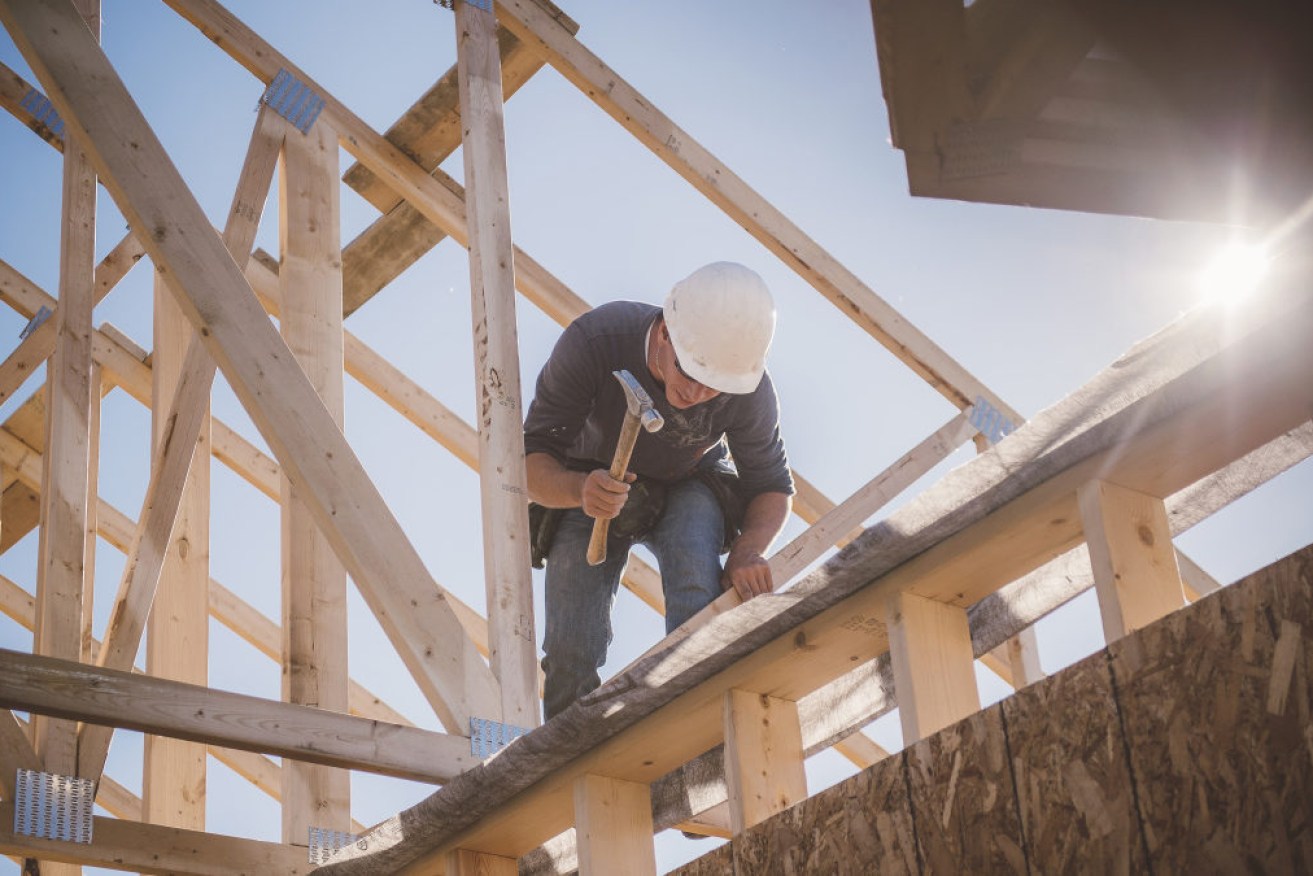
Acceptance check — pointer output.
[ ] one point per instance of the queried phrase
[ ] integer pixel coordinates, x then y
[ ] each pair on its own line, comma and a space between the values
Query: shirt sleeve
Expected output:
757, 446
563, 396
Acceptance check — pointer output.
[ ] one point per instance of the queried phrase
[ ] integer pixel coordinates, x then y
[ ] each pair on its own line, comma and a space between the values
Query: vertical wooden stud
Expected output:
763, 757
613, 827
62, 541
464, 862
1131, 553
934, 669
504, 488
1019, 657
314, 581
177, 632
97, 392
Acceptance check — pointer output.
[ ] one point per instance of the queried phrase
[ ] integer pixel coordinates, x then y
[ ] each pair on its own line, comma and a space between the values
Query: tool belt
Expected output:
642, 510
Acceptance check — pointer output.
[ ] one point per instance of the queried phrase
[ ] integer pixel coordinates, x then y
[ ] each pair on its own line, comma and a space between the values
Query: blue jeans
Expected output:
686, 541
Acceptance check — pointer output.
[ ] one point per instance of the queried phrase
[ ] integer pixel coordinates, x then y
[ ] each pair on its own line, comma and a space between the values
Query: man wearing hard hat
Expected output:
715, 477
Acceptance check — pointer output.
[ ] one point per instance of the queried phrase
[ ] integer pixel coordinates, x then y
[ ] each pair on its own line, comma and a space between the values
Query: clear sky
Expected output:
1033, 302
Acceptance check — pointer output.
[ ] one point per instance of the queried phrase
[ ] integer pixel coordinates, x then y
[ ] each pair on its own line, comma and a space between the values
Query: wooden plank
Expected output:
1073, 782
466, 863
921, 47
1017, 660
177, 628
763, 757
314, 658
503, 484
862, 825
861, 750
1221, 767
183, 711
934, 669
963, 799
1044, 43
613, 825
145, 848
62, 547
277, 395
178, 643
1131, 553
727, 191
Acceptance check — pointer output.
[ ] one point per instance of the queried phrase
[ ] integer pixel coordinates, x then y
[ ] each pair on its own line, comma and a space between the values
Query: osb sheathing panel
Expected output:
718, 862
963, 800
862, 826
1069, 764
1215, 701
1190, 741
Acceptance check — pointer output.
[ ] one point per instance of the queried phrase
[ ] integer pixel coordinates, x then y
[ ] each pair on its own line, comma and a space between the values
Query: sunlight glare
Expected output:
1234, 273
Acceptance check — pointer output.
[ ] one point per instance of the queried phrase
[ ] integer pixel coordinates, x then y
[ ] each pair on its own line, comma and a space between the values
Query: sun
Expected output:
1233, 273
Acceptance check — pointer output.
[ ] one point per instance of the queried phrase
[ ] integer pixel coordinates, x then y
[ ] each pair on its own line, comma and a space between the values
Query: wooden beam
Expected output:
260, 368
1016, 661
80, 692
763, 757
934, 674
145, 848
861, 750
62, 548
502, 480
1044, 43
613, 827
177, 646
314, 658
732, 195
1131, 552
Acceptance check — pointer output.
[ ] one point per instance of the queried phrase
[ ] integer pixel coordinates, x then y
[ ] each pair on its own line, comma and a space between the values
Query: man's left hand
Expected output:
748, 573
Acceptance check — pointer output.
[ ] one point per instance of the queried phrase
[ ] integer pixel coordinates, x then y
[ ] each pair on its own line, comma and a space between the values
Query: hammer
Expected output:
638, 410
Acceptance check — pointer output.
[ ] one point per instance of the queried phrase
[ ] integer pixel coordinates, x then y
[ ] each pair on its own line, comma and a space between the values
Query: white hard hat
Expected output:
721, 319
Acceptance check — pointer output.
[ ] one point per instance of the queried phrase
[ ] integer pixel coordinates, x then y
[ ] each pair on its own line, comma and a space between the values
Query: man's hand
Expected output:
748, 573
603, 496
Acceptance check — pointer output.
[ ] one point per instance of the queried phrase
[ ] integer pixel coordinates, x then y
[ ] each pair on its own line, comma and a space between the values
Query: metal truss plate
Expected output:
489, 737
43, 111
325, 843
293, 100
989, 421
53, 807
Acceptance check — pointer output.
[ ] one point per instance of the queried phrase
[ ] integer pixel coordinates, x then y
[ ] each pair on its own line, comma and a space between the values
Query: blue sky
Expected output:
1033, 302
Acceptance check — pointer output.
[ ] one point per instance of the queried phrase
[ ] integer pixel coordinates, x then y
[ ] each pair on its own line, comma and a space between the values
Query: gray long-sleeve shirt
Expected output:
578, 408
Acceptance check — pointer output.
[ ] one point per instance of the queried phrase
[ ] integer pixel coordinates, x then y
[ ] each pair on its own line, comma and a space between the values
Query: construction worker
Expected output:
714, 478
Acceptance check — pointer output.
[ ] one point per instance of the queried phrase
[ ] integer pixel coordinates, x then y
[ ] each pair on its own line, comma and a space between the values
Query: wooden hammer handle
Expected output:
624, 448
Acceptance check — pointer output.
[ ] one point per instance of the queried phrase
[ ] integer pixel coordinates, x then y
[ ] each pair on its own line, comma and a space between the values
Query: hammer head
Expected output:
638, 403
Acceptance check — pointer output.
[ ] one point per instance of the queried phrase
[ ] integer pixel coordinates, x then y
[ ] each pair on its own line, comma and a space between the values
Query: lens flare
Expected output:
1234, 273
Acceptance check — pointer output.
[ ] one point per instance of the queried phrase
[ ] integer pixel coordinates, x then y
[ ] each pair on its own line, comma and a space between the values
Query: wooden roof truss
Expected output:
709, 729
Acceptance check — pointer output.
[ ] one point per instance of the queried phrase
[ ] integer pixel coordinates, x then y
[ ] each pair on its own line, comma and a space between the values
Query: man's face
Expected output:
682, 391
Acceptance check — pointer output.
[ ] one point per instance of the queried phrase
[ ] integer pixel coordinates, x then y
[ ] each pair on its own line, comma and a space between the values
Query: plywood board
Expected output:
863, 825
1069, 764
963, 799
1216, 705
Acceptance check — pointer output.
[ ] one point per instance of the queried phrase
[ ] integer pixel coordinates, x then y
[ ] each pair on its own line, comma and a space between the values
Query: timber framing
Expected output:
709, 729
